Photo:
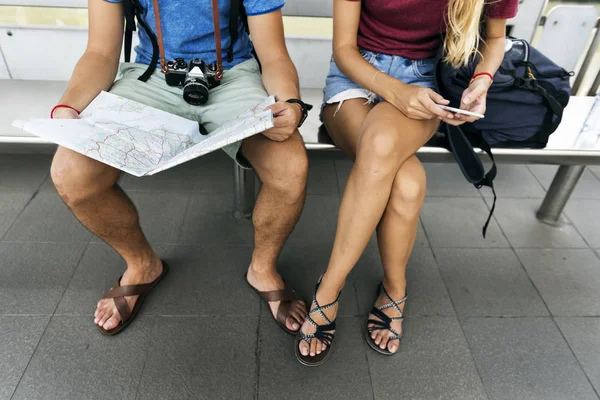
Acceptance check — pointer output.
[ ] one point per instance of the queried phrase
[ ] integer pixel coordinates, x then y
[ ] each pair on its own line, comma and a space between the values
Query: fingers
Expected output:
430, 100
284, 121
277, 107
453, 122
474, 91
438, 98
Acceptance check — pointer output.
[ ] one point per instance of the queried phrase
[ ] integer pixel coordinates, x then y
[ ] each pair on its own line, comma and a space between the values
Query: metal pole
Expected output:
587, 60
243, 192
560, 190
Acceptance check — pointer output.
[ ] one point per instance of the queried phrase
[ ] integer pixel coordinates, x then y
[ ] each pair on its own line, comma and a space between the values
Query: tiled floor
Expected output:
513, 316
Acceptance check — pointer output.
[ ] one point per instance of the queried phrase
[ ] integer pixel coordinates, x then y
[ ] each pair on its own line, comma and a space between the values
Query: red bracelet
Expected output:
481, 74
62, 106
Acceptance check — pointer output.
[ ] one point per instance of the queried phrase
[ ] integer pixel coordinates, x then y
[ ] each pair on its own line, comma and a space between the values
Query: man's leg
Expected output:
283, 170
89, 189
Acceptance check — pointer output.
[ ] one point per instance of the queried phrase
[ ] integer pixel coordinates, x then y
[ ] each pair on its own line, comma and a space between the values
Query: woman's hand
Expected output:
473, 99
417, 102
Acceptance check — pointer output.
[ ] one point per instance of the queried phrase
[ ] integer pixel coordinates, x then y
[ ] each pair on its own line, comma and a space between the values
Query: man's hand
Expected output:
65, 113
286, 117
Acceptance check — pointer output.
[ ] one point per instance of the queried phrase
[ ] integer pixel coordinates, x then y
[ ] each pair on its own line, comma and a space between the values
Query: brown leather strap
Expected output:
278, 295
161, 44
217, 27
216, 21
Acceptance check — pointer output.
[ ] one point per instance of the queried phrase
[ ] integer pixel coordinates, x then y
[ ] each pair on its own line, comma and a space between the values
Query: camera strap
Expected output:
217, 27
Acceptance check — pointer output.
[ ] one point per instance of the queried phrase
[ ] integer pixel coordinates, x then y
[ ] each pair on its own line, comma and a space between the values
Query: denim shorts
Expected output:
338, 87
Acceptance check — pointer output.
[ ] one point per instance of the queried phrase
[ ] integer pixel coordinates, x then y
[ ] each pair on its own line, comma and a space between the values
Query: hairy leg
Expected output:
89, 189
283, 170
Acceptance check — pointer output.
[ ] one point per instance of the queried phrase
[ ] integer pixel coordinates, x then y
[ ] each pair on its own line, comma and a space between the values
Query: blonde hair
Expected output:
462, 31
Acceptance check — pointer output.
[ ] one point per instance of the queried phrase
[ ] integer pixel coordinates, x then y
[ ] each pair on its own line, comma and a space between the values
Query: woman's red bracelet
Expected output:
477, 75
62, 106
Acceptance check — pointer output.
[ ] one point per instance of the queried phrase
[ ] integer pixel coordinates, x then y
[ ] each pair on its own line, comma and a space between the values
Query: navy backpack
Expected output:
524, 107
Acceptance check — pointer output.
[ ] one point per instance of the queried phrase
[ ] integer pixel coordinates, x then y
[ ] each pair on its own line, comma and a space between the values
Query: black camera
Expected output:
197, 78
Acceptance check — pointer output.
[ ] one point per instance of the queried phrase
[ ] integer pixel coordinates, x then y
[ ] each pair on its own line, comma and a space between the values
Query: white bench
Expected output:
30, 91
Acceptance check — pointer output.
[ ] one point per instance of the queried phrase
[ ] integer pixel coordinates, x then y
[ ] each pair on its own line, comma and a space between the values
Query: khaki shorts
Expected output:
240, 89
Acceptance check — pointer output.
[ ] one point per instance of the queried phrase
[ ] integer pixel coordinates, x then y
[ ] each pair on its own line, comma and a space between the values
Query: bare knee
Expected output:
285, 170
408, 190
378, 154
77, 178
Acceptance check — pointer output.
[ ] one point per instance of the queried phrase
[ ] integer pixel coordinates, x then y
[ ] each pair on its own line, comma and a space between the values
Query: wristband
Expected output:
62, 106
481, 74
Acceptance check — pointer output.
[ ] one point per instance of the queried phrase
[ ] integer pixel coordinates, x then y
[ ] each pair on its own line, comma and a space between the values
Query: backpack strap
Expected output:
129, 27
469, 162
234, 15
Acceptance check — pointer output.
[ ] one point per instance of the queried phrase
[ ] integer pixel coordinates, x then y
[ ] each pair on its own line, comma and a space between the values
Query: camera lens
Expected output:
195, 92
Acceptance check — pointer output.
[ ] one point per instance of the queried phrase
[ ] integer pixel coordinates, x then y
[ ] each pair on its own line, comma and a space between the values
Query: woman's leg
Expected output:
396, 234
385, 140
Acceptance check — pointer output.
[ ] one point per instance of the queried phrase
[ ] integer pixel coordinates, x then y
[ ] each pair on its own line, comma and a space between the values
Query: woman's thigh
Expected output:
350, 123
344, 125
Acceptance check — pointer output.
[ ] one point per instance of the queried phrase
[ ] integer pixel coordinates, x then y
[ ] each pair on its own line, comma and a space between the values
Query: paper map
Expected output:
142, 140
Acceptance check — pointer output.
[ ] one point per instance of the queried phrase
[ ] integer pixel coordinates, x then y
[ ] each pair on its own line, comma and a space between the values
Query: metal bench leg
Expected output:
243, 192
560, 190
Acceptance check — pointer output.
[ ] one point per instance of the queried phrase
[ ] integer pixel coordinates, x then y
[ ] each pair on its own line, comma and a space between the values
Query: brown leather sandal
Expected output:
118, 293
288, 301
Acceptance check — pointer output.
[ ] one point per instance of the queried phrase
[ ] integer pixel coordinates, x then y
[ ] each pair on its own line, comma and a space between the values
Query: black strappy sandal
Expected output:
384, 322
323, 333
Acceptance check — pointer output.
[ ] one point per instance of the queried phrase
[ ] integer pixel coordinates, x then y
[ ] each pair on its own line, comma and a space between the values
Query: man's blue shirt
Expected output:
188, 29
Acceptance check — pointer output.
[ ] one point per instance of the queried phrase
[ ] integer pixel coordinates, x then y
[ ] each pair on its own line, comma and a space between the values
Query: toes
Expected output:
378, 337
324, 347
102, 320
393, 345
313, 347
383, 343
112, 322
304, 348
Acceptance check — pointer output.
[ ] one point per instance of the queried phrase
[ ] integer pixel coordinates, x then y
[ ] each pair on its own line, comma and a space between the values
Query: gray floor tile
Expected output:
433, 363
161, 215
517, 181
588, 186
19, 338
215, 173
446, 180
585, 215
301, 267
318, 222
206, 280
35, 275
27, 172
489, 282
457, 222
344, 376
47, 219
525, 358
181, 178
568, 280
519, 223
427, 293
201, 358
583, 335
212, 173
209, 220
12, 203
322, 176
74, 361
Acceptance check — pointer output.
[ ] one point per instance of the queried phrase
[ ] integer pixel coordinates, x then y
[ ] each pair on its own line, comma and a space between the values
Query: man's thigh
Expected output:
154, 92
240, 90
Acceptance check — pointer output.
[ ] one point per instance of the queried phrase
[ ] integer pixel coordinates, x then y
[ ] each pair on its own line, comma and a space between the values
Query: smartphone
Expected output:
459, 111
